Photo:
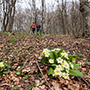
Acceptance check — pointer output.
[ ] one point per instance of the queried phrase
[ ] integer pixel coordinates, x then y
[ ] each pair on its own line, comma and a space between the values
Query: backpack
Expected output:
33, 25
38, 26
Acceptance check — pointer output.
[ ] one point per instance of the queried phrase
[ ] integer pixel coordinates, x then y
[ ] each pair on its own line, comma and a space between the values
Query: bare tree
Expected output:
33, 11
0, 14
85, 10
43, 17
65, 18
8, 14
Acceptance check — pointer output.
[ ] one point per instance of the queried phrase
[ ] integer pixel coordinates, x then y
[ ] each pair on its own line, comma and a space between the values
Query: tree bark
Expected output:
43, 16
33, 11
9, 13
85, 10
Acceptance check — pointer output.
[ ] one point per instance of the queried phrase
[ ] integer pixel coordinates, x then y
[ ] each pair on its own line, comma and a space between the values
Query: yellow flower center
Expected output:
51, 61
65, 65
65, 75
62, 63
46, 53
58, 67
59, 59
45, 50
67, 69
1, 65
57, 71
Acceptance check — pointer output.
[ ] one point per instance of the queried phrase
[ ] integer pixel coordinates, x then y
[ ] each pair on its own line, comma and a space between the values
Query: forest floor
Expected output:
22, 50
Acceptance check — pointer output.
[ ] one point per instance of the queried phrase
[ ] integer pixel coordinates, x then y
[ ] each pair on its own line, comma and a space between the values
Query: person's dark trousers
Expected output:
39, 30
33, 30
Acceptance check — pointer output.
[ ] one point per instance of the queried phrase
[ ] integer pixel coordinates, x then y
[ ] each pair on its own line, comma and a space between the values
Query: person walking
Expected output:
33, 26
38, 28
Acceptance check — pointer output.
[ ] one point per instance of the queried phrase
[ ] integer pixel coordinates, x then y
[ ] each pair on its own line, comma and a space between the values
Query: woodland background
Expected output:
60, 17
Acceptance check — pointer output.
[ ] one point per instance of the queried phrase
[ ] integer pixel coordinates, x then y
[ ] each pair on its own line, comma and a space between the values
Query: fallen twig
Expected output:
5, 84
88, 85
43, 75
81, 78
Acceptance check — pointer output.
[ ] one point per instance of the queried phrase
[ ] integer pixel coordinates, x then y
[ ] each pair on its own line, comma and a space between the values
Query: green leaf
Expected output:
75, 73
76, 66
72, 56
54, 65
27, 76
18, 72
56, 55
43, 60
1, 73
60, 51
15, 88
27, 51
52, 55
50, 71
8, 65
80, 56
39, 75
31, 87
88, 76
88, 62
4, 61
6, 72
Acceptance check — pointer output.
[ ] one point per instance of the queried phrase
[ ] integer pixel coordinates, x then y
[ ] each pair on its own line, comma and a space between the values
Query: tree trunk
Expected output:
0, 14
43, 16
12, 14
85, 10
33, 11
8, 14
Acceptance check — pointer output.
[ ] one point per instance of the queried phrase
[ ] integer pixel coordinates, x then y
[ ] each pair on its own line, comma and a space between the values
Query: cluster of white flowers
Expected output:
63, 66
64, 54
1, 64
62, 70
46, 52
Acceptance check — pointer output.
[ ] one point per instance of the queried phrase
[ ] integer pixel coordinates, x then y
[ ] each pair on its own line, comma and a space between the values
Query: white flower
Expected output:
72, 66
53, 50
67, 70
47, 54
73, 60
60, 74
65, 54
18, 68
46, 50
51, 60
57, 49
59, 67
54, 74
65, 64
59, 60
57, 72
1, 64
11, 55
66, 75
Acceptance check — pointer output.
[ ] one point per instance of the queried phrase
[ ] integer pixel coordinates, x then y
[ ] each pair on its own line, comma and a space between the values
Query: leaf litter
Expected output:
22, 50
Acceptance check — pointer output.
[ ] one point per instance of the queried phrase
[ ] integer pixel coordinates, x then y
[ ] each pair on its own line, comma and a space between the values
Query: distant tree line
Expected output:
68, 18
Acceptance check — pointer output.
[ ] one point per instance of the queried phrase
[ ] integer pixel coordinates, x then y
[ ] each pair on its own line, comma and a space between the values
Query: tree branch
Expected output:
43, 75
